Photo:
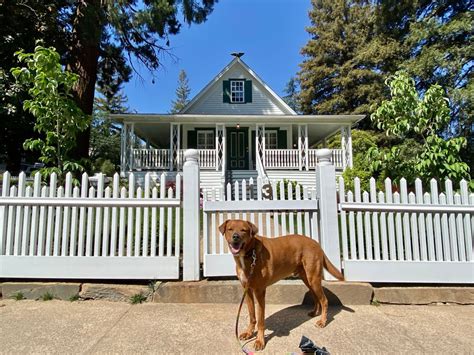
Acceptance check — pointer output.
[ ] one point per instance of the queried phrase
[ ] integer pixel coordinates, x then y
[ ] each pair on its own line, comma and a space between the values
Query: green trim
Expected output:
226, 91
245, 147
248, 91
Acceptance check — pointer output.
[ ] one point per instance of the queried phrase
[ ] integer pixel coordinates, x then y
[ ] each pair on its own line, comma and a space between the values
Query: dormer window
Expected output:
237, 91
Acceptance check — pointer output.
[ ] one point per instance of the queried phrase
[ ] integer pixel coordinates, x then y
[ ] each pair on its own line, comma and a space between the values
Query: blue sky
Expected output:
270, 32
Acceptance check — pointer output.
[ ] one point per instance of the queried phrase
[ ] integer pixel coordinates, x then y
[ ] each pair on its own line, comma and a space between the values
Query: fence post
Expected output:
328, 220
191, 219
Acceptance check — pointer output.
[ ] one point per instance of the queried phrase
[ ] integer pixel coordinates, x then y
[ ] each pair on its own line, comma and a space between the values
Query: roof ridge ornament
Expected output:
237, 54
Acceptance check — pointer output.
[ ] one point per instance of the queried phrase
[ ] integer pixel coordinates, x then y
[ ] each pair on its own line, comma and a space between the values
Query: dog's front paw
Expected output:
321, 323
259, 345
245, 335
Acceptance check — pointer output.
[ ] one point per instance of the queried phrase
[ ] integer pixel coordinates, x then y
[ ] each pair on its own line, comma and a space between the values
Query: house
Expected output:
241, 128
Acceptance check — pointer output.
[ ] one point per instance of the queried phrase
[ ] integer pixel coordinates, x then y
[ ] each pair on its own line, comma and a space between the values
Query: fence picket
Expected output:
342, 198
467, 223
34, 217
360, 230
421, 221
307, 229
169, 229
19, 215
299, 223
130, 214
390, 224
283, 214
209, 241
25, 238
352, 230
252, 197
154, 225
445, 230
66, 217
221, 220
276, 224
368, 231
375, 223
106, 227
121, 244
82, 215
42, 224
383, 228
74, 224
429, 229
137, 242
4, 212
177, 212
398, 229
414, 229
58, 224
244, 197
114, 223
236, 197
407, 248
460, 230
90, 224
161, 221
10, 224
453, 239
291, 216
146, 215
49, 227
436, 220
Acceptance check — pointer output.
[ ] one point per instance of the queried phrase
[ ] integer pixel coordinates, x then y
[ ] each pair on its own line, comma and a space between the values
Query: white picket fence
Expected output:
274, 211
407, 236
88, 231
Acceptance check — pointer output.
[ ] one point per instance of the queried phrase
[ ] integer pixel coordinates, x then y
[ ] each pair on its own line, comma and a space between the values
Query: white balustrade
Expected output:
207, 158
336, 159
151, 158
281, 159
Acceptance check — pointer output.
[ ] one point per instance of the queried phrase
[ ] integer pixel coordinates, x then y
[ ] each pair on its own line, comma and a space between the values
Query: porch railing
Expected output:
151, 159
281, 159
337, 158
207, 158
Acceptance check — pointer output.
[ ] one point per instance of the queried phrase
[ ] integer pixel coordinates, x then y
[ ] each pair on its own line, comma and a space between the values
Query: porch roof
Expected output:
156, 127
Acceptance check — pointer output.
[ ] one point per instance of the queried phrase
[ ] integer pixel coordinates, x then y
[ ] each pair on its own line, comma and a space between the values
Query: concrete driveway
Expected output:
115, 327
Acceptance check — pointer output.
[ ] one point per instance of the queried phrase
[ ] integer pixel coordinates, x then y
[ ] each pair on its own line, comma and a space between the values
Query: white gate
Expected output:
407, 237
92, 230
276, 211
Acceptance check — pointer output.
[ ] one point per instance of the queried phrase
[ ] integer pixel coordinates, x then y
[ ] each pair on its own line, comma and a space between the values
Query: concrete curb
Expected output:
283, 292
35, 290
424, 295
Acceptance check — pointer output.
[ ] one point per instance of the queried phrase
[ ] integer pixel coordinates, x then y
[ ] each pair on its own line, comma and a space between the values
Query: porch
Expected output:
239, 142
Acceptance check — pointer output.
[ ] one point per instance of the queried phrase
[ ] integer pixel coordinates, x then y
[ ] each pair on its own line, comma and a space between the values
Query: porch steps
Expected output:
238, 175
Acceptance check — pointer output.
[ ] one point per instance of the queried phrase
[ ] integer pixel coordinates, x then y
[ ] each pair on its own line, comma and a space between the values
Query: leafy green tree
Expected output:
58, 119
182, 93
422, 118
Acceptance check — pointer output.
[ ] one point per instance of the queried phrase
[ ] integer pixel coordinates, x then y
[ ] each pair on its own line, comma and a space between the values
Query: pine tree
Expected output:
345, 59
292, 95
182, 93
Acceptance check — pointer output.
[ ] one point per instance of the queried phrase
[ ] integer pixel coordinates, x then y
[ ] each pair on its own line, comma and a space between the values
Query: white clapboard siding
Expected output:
277, 220
54, 229
383, 234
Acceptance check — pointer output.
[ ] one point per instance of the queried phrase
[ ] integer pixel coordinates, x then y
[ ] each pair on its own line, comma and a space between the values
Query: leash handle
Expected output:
242, 347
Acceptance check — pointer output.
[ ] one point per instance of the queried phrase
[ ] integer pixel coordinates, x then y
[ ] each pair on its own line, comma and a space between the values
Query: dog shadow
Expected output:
284, 321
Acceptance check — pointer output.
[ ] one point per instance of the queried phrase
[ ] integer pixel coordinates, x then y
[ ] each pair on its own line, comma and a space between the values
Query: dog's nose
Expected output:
236, 237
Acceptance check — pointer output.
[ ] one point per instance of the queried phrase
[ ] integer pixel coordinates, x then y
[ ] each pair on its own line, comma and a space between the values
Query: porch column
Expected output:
123, 150
303, 146
346, 144
174, 158
260, 143
131, 140
220, 147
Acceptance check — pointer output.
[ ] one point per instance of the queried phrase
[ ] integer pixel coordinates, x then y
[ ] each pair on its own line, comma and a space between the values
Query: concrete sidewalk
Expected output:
117, 327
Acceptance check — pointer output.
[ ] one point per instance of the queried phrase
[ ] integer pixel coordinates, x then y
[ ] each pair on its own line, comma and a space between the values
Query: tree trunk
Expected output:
87, 29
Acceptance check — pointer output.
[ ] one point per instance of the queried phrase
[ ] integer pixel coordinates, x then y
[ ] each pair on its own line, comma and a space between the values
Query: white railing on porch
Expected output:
206, 159
151, 159
281, 159
336, 159
289, 159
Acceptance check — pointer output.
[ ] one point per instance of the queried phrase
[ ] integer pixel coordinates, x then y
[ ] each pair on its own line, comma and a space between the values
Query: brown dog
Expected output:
274, 259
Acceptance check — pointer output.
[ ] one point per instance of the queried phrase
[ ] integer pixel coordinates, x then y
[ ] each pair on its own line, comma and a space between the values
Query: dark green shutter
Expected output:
282, 139
192, 139
226, 91
248, 91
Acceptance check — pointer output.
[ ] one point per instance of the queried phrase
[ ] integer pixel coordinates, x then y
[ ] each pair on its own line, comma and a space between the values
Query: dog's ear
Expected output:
222, 227
253, 228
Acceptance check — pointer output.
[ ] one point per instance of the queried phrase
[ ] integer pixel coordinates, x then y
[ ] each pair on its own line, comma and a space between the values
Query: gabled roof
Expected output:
252, 74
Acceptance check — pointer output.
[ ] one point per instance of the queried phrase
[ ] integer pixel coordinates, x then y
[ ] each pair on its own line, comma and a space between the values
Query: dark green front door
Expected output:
237, 148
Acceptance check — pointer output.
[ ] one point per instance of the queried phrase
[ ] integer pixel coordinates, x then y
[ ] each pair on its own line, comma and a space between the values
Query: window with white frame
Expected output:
237, 91
205, 139
271, 139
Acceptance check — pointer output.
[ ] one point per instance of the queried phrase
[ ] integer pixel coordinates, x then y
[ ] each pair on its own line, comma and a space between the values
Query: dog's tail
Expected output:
332, 269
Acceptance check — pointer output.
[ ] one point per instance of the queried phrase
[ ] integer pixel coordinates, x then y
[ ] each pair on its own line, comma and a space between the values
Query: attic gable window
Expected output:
237, 91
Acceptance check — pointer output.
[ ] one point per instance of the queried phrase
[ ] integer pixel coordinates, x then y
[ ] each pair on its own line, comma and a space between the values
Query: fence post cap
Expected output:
324, 156
191, 155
